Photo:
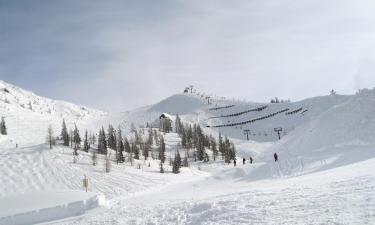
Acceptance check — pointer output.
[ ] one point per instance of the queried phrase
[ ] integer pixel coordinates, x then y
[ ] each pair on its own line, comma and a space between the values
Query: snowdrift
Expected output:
45, 206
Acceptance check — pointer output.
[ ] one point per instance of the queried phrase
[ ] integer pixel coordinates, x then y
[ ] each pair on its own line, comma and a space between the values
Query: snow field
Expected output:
323, 176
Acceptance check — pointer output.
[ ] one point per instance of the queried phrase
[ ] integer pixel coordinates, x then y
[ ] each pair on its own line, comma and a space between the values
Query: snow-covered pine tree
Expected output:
76, 138
71, 137
146, 150
3, 127
176, 163
135, 150
179, 125
86, 145
232, 151
102, 142
183, 138
214, 147
221, 146
200, 144
64, 134
93, 139
229, 151
127, 146
162, 150
150, 140
120, 147
111, 137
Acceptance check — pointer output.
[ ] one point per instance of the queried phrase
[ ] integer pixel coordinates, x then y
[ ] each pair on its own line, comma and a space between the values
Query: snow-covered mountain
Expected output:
315, 124
323, 138
28, 115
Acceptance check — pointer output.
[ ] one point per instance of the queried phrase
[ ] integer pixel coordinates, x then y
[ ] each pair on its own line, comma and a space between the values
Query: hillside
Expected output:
28, 115
326, 144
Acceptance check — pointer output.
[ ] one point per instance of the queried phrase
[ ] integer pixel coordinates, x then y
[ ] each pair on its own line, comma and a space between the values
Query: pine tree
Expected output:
150, 140
3, 127
120, 147
93, 139
76, 138
102, 142
120, 156
86, 145
111, 138
146, 150
176, 163
179, 125
162, 150
64, 134
229, 150
214, 147
201, 152
135, 150
183, 138
71, 137
221, 146
232, 151
127, 146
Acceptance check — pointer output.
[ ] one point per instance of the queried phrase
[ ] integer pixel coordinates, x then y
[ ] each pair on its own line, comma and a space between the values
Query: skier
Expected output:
251, 160
276, 157
235, 162
243, 161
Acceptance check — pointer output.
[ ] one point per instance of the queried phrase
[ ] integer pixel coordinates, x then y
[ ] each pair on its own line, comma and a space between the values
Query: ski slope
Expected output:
324, 175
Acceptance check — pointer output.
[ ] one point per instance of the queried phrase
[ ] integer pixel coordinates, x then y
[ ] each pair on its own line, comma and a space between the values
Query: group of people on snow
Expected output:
275, 156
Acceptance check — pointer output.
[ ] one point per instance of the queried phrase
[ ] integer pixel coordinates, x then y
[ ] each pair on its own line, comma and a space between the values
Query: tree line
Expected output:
145, 143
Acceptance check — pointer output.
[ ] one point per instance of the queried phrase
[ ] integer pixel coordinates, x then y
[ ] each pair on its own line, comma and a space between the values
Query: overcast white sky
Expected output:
118, 55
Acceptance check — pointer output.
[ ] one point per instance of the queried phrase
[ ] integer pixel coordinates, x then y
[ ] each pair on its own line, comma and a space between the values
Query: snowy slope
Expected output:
27, 115
328, 145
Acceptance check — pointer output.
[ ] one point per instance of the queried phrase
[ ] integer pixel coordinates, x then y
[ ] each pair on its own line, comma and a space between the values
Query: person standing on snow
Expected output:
243, 161
251, 160
276, 157
235, 162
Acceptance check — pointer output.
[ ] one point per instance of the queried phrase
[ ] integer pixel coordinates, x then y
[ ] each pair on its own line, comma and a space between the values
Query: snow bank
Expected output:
46, 206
